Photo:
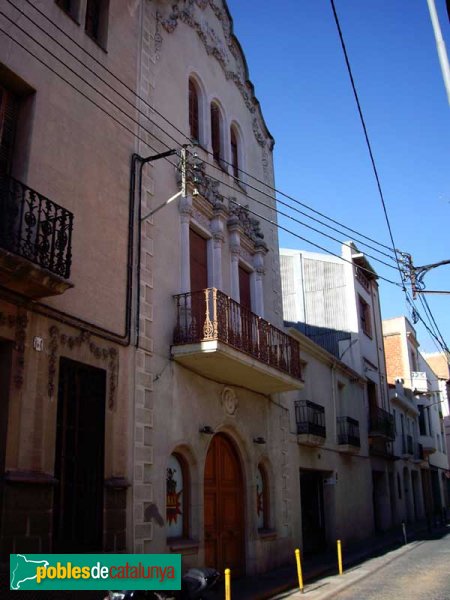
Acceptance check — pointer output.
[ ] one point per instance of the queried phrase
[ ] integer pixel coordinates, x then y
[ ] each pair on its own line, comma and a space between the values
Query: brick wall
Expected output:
394, 360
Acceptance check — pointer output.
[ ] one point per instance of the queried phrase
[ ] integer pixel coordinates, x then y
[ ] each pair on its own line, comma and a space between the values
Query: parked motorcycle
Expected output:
195, 583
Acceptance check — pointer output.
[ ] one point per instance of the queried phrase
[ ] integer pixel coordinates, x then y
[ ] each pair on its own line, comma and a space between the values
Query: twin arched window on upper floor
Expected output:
233, 158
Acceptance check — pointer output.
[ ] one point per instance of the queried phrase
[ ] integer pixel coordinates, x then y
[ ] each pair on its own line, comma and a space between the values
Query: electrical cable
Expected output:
182, 133
299, 222
164, 143
433, 320
369, 147
174, 165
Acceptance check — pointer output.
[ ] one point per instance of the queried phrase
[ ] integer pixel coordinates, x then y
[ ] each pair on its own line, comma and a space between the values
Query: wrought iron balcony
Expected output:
348, 433
217, 337
381, 423
310, 419
36, 229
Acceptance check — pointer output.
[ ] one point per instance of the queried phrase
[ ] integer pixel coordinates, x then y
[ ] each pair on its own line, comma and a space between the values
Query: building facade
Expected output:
329, 465
334, 301
66, 254
405, 363
211, 473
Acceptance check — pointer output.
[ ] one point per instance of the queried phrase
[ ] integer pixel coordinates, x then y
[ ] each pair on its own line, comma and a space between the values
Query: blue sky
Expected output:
297, 66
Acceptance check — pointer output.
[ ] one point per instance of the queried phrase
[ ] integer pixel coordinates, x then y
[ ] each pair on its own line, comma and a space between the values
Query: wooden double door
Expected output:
224, 507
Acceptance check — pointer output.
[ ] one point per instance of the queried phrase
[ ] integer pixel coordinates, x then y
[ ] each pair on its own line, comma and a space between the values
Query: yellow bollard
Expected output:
227, 584
299, 570
339, 553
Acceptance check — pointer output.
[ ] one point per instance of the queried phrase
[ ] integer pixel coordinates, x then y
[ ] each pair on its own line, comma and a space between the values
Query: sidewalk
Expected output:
283, 583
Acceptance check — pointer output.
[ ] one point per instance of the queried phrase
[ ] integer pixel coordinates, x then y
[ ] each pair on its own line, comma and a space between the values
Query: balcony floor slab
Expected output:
224, 364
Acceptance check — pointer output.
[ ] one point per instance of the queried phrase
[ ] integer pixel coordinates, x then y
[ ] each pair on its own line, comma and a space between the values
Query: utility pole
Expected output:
440, 45
416, 275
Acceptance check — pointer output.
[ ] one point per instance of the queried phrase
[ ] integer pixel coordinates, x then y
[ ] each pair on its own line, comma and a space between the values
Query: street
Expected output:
422, 573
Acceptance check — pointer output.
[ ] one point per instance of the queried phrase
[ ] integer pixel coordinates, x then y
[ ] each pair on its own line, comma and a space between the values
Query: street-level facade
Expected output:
65, 260
330, 472
335, 302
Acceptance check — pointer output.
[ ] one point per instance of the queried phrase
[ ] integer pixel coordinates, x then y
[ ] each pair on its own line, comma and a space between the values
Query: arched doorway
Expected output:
224, 507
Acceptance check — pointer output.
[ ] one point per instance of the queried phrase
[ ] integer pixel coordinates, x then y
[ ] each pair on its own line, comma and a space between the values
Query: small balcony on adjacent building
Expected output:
407, 446
419, 381
381, 423
348, 434
218, 338
310, 420
428, 444
35, 241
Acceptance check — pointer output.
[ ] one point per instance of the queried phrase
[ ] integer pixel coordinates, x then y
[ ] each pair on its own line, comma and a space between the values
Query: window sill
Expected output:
267, 534
240, 185
221, 165
183, 545
97, 42
71, 16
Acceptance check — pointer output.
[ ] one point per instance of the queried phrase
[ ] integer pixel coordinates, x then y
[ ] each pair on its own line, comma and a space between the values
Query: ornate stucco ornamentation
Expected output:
20, 322
234, 68
229, 401
251, 227
109, 355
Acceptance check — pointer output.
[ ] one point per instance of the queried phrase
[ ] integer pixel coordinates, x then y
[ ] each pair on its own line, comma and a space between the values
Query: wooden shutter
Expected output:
244, 288
234, 153
215, 131
198, 261
193, 111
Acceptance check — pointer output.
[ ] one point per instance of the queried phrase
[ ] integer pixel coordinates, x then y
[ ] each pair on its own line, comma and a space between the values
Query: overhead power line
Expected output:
154, 149
135, 95
101, 94
366, 135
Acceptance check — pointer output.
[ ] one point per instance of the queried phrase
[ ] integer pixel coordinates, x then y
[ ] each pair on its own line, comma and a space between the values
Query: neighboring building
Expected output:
211, 457
334, 301
329, 456
405, 362
65, 259
407, 496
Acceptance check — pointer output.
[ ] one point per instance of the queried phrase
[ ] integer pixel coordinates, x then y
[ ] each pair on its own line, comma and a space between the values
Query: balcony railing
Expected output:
408, 444
310, 418
381, 422
35, 228
348, 432
211, 315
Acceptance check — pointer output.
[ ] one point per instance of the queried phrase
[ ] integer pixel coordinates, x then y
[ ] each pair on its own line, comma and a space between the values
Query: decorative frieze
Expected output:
183, 10
19, 322
109, 355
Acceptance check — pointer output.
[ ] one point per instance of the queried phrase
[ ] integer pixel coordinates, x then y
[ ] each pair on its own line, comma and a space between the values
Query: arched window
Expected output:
215, 131
177, 486
194, 120
234, 152
262, 499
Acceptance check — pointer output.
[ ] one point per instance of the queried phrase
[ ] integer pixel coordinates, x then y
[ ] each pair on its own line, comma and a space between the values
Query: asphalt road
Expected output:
420, 574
